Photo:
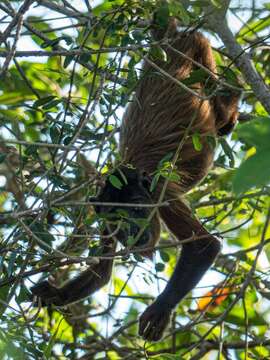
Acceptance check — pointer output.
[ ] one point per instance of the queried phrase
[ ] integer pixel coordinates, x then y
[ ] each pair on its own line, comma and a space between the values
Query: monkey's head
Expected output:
128, 189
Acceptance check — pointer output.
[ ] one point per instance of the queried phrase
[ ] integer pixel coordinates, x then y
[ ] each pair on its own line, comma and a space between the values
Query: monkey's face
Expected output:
128, 220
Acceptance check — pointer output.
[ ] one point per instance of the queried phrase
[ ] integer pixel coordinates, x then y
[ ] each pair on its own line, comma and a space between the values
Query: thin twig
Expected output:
22, 10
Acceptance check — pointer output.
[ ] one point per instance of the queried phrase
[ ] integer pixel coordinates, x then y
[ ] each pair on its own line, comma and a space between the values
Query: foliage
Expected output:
62, 95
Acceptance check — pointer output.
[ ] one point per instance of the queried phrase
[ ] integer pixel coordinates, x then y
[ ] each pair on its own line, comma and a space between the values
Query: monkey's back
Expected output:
156, 120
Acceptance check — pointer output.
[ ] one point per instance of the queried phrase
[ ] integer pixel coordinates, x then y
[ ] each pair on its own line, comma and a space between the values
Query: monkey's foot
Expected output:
48, 294
154, 321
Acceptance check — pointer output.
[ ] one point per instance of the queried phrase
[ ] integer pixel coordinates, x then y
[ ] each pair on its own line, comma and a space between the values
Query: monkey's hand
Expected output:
154, 321
48, 294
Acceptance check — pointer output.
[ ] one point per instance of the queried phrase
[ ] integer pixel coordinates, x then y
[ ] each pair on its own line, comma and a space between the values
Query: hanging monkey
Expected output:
161, 116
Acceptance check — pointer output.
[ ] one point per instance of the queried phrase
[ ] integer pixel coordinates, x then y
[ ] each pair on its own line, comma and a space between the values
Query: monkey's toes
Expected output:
153, 322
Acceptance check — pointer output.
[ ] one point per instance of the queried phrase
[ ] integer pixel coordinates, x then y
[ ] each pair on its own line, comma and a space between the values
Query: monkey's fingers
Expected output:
47, 294
153, 322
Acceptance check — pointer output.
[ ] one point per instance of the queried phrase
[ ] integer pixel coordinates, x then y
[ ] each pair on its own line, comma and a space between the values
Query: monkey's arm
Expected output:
196, 258
226, 112
78, 288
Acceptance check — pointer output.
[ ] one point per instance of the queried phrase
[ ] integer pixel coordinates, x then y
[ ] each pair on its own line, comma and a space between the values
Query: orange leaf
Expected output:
213, 298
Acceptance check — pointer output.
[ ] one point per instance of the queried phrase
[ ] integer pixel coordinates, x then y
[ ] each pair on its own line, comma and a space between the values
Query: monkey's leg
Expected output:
225, 106
196, 257
81, 286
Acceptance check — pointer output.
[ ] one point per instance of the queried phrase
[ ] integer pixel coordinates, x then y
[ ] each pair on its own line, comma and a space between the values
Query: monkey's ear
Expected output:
160, 31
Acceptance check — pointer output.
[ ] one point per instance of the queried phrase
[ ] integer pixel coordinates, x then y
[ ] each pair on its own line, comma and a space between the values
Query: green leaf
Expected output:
51, 104
212, 141
4, 290
42, 233
217, 3
237, 315
166, 357
68, 60
49, 43
49, 347
11, 263
68, 39
131, 240
256, 132
115, 181
161, 15
52, 42
165, 159
201, 2
138, 257
157, 53
159, 267
227, 150
177, 9
14, 97
123, 176
141, 222
197, 76
164, 256
172, 176
154, 182
230, 76
43, 101
255, 171
59, 181
255, 25
54, 134
138, 35
84, 58
197, 142
31, 150
122, 212
24, 294
67, 140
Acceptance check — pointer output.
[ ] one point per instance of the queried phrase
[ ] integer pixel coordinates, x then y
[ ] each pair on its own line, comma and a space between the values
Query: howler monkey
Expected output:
162, 119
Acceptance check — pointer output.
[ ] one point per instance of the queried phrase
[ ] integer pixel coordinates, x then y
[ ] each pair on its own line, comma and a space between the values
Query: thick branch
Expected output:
217, 22
61, 9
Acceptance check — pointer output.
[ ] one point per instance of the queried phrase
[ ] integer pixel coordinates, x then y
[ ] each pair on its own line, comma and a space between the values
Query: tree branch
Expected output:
217, 22
60, 9
25, 6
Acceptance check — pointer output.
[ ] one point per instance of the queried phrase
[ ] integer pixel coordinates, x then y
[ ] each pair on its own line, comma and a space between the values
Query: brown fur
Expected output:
154, 125
160, 112
156, 120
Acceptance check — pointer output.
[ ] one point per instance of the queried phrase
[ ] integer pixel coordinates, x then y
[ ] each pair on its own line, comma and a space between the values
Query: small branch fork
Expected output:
216, 20
22, 10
